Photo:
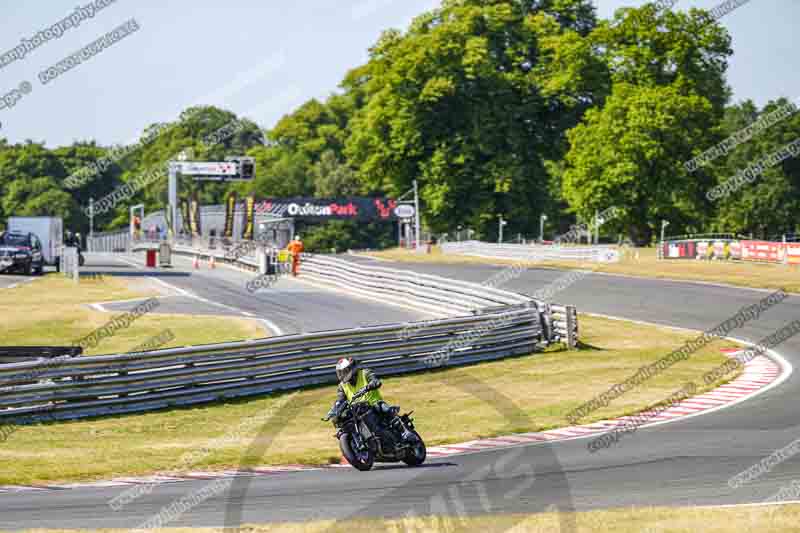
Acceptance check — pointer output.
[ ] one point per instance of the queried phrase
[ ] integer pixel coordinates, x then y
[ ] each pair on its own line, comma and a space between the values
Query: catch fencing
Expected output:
472, 323
534, 252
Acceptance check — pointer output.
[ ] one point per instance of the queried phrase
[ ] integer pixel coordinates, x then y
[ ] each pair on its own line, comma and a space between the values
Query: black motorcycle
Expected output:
364, 437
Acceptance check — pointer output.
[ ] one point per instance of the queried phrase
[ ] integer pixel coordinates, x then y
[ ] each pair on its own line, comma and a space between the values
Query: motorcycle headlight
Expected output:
20, 256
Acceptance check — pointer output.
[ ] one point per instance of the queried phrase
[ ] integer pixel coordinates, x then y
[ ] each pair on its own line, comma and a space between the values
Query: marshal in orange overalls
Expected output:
295, 248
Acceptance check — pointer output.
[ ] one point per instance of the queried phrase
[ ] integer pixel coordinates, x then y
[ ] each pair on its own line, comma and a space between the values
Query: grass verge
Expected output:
641, 262
772, 519
513, 395
53, 311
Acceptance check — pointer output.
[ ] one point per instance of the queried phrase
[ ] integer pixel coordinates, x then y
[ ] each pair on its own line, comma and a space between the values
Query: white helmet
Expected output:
297, 237
345, 369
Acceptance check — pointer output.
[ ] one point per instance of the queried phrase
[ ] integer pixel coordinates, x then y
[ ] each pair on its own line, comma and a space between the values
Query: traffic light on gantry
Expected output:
247, 168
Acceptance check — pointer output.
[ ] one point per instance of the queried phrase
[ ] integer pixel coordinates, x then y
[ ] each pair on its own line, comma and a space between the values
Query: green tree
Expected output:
341, 235
29, 182
333, 178
667, 73
650, 47
630, 155
316, 127
470, 101
280, 171
770, 205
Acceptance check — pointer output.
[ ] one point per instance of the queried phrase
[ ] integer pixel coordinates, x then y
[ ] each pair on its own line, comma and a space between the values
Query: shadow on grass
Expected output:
582, 346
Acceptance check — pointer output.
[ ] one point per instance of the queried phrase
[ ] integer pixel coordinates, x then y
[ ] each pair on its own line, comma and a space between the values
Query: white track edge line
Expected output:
269, 323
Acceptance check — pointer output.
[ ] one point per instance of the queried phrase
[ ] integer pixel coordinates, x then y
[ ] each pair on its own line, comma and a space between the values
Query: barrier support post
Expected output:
572, 326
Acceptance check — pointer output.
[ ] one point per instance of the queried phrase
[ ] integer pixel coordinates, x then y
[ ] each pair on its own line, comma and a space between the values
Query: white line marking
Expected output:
131, 262
269, 323
786, 370
273, 326
756, 504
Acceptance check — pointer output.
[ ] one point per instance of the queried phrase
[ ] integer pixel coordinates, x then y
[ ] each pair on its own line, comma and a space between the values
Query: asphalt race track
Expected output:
8, 281
687, 462
289, 306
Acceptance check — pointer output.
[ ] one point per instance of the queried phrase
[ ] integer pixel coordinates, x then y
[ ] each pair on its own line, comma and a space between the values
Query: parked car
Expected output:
48, 230
21, 252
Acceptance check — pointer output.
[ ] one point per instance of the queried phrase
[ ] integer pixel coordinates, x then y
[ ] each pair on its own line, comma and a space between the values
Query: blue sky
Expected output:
262, 59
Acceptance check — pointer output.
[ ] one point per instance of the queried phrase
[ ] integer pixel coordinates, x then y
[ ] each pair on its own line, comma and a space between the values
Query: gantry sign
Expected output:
232, 169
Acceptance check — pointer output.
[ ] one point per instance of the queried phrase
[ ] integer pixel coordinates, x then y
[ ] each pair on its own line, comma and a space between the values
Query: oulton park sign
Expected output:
352, 208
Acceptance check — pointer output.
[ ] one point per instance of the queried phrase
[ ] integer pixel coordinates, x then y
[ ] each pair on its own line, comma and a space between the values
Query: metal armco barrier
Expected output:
533, 252
434, 295
438, 295
113, 384
17, 354
497, 324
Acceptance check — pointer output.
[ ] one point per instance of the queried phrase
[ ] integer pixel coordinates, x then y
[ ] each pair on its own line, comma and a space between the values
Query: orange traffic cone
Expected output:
196, 262
212, 263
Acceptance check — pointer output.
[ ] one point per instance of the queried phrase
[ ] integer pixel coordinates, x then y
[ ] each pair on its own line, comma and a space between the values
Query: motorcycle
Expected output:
362, 443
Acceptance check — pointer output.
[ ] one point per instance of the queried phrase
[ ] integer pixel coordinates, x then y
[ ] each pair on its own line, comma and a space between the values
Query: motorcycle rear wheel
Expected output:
359, 460
417, 453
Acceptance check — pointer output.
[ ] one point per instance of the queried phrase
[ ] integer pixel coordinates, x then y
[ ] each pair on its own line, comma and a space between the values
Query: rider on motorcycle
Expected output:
363, 382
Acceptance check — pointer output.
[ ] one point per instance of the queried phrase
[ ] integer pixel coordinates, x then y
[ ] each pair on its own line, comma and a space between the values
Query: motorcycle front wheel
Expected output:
416, 453
360, 460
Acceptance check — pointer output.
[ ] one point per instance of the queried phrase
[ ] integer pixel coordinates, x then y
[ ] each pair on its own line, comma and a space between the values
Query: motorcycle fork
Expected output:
361, 434
398, 425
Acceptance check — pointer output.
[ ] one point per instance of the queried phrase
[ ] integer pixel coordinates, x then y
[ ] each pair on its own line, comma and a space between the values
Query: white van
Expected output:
50, 231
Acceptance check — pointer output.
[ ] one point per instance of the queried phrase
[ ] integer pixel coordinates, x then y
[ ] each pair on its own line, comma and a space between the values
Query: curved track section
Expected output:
687, 462
288, 306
